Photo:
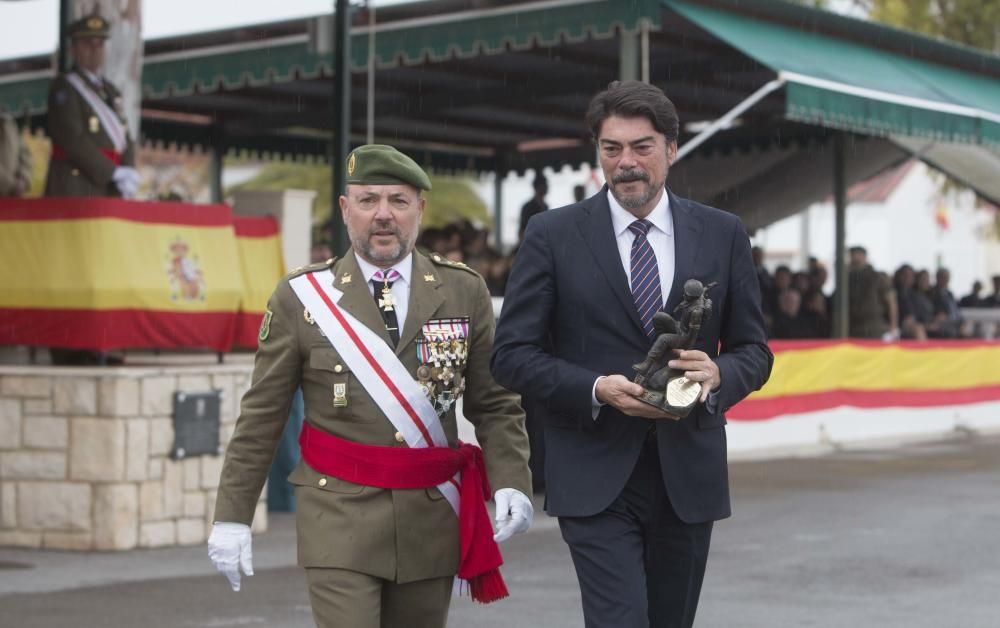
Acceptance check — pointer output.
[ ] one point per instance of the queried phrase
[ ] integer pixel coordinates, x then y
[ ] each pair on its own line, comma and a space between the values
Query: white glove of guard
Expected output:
514, 513
229, 548
127, 180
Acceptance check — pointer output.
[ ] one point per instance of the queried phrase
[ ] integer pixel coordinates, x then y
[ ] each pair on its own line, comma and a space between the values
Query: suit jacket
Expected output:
401, 535
85, 171
568, 317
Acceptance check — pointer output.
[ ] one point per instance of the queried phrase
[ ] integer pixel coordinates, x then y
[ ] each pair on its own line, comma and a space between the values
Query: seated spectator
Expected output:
936, 324
909, 327
994, 299
766, 283
816, 314
973, 299
787, 322
800, 281
946, 307
320, 252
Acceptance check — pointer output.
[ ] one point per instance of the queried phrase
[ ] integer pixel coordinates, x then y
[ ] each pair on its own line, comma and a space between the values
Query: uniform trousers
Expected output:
342, 598
637, 563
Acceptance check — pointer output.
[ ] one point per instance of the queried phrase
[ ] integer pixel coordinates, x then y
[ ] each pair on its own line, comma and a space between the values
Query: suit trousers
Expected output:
342, 598
638, 564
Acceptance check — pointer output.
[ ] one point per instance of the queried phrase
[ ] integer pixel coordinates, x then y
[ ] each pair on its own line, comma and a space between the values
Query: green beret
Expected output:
379, 164
89, 26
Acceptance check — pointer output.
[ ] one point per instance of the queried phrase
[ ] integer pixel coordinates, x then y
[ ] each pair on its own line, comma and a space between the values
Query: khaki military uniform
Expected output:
869, 292
401, 536
75, 128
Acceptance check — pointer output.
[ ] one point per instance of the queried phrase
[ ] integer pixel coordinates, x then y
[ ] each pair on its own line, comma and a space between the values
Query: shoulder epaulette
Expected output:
298, 270
444, 261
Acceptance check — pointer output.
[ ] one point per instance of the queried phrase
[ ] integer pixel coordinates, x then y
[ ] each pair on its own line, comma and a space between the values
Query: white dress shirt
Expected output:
400, 288
660, 237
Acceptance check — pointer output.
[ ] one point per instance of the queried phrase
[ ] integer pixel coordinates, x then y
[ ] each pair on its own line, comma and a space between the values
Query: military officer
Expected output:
92, 153
382, 342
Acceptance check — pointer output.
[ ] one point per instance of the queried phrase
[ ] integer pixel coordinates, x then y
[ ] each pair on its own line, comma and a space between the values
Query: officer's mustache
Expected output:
385, 226
629, 176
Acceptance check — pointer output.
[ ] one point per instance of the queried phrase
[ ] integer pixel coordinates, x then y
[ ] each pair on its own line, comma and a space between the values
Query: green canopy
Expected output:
836, 82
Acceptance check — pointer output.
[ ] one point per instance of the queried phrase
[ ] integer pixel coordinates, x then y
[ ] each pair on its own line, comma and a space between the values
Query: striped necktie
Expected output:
382, 282
645, 276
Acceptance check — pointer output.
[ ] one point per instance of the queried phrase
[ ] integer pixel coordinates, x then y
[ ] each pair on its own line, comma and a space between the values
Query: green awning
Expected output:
458, 35
847, 85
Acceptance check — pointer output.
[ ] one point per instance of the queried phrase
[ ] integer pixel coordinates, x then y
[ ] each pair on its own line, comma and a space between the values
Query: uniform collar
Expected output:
404, 267
661, 217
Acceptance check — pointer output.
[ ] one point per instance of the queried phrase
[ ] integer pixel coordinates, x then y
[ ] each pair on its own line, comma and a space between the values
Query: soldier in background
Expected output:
873, 311
92, 153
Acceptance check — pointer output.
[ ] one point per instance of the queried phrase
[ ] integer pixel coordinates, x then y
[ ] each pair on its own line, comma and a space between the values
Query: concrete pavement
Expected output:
887, 537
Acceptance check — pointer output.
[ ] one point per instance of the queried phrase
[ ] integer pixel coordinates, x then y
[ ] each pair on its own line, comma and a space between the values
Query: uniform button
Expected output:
322, 482
338, 369
74, 172
399, 437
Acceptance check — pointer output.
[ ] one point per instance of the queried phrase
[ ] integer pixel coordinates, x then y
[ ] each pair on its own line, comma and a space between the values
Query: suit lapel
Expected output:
599, 234
425, 299
687, 234
357, 299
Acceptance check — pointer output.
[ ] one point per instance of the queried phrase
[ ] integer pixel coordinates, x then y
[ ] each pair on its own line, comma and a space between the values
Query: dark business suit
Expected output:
568, 318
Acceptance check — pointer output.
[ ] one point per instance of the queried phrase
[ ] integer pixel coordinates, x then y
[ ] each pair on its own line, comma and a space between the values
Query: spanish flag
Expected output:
102, 274
262, 264
809, 376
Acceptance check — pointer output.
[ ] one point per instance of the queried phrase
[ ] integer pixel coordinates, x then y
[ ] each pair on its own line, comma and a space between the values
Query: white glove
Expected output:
514, 513
229, 548
127, 180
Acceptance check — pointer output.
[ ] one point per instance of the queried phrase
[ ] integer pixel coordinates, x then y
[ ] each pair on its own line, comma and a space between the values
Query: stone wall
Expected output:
84, 456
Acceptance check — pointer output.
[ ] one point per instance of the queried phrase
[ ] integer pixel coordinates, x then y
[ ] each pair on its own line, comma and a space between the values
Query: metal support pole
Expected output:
341, 118
644, 50
841, 303
628, 56
371, 72
65, 17
731, 115
215, 165
499, 174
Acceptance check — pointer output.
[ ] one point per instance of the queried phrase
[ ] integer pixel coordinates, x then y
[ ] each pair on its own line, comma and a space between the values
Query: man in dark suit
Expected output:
636, 490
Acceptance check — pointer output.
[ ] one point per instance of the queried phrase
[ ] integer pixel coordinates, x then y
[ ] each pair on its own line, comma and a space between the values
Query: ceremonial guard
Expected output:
92, 153
383, 343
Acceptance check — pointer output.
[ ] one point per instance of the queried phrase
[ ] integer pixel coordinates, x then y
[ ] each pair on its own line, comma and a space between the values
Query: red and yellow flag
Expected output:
101, 274
809, 376
262, 263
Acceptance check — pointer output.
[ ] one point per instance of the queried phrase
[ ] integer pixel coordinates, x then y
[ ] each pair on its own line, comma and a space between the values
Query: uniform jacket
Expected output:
85, 171
401, 535
569, 317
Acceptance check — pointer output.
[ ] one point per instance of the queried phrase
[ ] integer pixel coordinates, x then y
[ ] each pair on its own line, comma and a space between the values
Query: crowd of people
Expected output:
907, 305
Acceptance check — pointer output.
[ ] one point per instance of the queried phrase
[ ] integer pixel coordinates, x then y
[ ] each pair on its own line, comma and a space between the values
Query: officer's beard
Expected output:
635, 202
382, 257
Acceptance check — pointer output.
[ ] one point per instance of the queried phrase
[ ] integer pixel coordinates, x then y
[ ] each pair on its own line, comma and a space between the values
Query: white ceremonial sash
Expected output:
109, 119
378, 369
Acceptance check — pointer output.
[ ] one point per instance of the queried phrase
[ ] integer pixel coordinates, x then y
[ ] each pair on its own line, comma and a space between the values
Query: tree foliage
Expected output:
451, 199
974, 23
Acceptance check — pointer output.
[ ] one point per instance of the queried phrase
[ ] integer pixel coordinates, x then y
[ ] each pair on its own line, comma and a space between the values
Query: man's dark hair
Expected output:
634, 99
858, 249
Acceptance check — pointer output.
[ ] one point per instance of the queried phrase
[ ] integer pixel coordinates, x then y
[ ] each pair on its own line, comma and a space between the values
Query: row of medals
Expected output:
442, 354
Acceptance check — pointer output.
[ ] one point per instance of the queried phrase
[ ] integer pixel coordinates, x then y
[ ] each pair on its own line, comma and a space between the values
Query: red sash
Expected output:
422, 467
59, 154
